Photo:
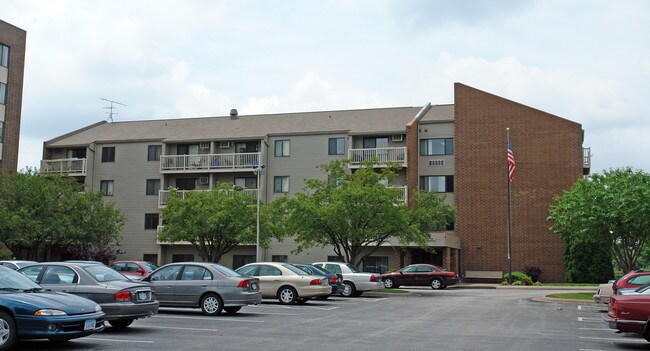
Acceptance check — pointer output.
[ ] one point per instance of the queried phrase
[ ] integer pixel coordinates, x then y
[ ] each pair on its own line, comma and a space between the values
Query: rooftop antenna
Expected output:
111, 109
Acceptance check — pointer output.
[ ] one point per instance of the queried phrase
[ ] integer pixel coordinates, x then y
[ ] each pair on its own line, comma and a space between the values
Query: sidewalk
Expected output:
499, 286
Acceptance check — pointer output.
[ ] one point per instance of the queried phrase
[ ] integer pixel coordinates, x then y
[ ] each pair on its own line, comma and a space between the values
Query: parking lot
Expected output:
452, 319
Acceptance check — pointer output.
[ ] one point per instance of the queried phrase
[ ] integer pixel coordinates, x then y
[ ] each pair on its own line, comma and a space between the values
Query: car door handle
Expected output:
170, 286
204, 286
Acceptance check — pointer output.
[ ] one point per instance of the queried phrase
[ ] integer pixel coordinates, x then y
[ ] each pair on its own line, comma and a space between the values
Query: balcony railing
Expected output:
404, 194
69, 166
383, 156
209, 162
164, 195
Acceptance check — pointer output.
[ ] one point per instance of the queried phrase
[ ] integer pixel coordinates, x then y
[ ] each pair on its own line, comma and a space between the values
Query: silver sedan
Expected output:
209, 286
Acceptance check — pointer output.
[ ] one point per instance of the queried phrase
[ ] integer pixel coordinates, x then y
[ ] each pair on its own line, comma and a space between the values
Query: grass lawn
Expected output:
571, 284
392, 291
575, 296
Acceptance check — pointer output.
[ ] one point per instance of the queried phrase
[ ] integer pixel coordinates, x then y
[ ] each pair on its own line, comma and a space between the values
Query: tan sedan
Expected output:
285, 282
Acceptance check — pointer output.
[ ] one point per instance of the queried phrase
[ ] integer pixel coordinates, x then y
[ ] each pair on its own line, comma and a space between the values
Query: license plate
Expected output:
143, 296
89, 324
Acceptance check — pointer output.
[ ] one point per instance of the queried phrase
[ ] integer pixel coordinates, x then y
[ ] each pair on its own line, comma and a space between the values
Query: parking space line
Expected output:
601, 329
120, 340
372, 300
613, 339
587, 319
178, 328
277, 313
216, 319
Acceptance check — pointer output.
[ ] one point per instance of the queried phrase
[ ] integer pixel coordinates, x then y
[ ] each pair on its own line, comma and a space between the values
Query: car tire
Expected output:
211, 304
436, 284
8, 331
287, 295
389, 283
232, 309
120, 323
348, 289
358, 293
646, 331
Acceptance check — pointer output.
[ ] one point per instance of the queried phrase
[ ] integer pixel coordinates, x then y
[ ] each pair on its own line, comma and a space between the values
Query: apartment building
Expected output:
457, 150
12, 64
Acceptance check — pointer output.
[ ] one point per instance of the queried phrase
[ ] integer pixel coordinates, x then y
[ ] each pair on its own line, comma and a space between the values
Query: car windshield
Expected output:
10, 279
295, 269
352, 268
104, 274
319, 270
148, 266
644, 289
224, 270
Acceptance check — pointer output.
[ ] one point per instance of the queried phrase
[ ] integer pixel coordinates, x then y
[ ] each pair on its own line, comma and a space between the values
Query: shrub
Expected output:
533, 272
518, 278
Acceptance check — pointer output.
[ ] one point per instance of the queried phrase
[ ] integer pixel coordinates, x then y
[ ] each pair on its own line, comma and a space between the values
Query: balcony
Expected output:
164, 195
69, 166
382, 155
404, 194
214, 163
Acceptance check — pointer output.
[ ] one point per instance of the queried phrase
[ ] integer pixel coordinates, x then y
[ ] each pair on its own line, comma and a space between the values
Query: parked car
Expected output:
209, 286
335, 279
634, 279
121, 299
285, 282
16, 264
604, 292
134, 269
31, 312
354, 282
420, 274
629, 313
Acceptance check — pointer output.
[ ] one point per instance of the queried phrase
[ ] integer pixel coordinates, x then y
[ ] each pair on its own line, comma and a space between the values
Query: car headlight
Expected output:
98, 308
50, 312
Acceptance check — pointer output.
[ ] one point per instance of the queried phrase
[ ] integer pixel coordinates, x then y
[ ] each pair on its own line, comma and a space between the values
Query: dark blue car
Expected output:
335, 280
28, 311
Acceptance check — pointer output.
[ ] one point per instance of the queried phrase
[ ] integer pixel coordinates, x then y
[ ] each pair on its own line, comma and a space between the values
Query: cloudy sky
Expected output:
588, 61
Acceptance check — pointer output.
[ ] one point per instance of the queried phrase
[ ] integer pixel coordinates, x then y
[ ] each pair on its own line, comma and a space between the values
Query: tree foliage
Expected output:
39, 212
610, 209
356, 213
214, 221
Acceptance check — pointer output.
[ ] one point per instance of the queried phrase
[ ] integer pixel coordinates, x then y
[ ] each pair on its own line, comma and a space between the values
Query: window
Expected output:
269, 271
151, 220
240, 260
153, 258
76, 153
59, 275
106, 187
4, 55
3, 94
281, 184
186, 183
108, 154
336, 146
282, 148
430, 147
153, 152
182, 258
246, 183
438, 184
196, 273
280, 258
2, 128
375, 264
169, 272
335, 259
246, 147
153, 186
375, 143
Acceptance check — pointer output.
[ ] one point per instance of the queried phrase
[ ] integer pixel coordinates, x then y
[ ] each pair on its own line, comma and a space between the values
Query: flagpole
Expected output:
509, 216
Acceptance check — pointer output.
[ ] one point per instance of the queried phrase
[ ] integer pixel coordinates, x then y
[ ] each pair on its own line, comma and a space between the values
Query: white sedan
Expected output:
354, 282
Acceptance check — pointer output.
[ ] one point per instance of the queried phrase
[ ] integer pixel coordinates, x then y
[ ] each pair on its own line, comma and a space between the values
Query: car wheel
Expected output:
7, 331
120, 323
389, 283
436, 284
287, 295
348, 289
646, 331
301, 301
232, 309
211, 305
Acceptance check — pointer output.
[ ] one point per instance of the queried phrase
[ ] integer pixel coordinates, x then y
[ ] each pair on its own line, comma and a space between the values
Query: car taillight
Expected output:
614, 288
315, 282
334, 279
452, 274
122, 296
373, 278
243, 283
613, 307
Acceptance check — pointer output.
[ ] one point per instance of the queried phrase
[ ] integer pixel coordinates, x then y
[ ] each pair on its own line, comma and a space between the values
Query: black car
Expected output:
335, 279
121, 299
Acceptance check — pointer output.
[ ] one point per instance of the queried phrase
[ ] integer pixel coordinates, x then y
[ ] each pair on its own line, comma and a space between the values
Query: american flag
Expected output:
511, 162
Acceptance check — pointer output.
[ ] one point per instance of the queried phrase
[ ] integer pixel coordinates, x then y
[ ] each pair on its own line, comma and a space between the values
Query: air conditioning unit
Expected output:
398, 137
436, 163
204, 180
224, 145
204, 145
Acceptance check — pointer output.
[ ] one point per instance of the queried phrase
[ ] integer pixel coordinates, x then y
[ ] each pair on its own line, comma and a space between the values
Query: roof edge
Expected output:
74, 132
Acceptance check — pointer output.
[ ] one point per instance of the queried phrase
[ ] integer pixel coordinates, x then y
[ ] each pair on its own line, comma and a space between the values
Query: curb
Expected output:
571, 301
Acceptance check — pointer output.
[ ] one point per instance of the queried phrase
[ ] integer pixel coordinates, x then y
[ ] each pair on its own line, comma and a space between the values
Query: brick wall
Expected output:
15, 38
548, 153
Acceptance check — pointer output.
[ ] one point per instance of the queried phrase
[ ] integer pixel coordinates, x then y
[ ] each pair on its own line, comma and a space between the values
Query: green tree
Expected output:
356, 213
611, 209
41, 212
214, 221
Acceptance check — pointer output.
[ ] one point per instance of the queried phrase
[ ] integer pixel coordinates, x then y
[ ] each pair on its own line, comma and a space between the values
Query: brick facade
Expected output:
15, 39
548, 154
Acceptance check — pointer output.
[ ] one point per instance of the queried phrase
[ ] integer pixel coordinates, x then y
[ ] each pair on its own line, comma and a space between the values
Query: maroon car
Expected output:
632, 280
420, 274
629, 313
137, 269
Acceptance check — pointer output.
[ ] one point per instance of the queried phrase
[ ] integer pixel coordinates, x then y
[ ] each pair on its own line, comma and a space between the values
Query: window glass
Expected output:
294, 269
281, 184
246, 182
269, 271
429, 147
3, 94
333, 268
640, 280
120, 267
196, 273
439, 184
182, 258
151, 259
282, 148
424, 269
153, 186
153, 152
336, 146
166, 273
248, 271
108, 154
32, 272
375, 264
106, 187
2, 128
279, 258
241, 260
4, 55
61, 275
224, 270
409, 269
104, 274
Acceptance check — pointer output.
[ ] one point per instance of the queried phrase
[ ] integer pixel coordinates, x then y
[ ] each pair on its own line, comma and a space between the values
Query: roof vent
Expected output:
233, 113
